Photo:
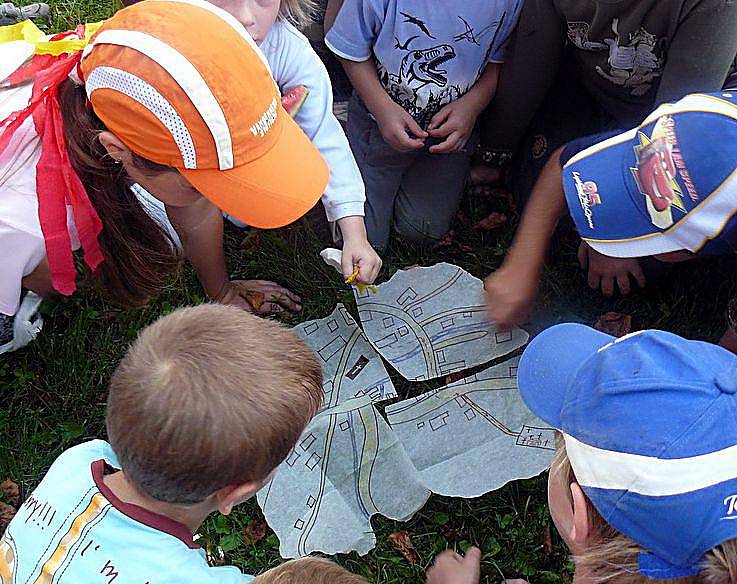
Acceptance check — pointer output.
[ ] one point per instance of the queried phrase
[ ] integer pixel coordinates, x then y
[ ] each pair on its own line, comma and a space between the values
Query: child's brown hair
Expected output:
309, 571
209, 397
612, 556
139, 254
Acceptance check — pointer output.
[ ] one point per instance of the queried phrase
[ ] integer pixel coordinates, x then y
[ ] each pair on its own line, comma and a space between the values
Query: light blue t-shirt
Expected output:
73, 529
428, 52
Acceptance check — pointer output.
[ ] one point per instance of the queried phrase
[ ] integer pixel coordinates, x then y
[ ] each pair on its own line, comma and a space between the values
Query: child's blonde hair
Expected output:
301, 13
309, 571
208, 397
612, 556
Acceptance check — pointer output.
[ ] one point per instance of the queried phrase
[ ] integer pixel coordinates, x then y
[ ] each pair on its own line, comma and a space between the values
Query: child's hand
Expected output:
510, 296
360, 254
452, 568
357, 251
455, 123
396, 125
258, 296
604, 271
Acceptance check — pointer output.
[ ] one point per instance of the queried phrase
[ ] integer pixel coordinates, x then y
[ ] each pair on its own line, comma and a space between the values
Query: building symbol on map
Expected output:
429, 322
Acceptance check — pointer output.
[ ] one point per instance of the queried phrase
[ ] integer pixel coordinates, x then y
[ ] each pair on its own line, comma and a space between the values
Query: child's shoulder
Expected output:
284, 32
80, 457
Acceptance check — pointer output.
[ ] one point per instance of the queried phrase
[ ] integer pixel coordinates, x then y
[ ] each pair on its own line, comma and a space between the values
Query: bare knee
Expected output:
39, 280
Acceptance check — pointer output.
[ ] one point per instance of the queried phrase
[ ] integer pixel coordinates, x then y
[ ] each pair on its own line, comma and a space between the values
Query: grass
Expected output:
52, 394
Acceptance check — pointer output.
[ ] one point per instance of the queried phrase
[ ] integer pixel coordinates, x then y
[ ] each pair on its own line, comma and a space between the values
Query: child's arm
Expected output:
293, 63
200, 227
456, 121
395, 124
511, 290
331, 11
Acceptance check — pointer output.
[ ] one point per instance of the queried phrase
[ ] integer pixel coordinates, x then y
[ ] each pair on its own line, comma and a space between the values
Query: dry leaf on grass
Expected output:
616, 324
10, 491
254, 532
412, 267
453, 377
254, 298
403, 543
6, 515
492, 221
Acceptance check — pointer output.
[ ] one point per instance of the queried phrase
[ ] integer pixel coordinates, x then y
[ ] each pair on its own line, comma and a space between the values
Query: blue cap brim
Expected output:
549, 365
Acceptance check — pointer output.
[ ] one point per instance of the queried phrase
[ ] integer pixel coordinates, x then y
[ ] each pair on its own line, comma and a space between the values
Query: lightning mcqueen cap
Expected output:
650, 427
668, 185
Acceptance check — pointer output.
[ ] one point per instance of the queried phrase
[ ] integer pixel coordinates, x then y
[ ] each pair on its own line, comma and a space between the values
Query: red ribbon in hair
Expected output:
56, 182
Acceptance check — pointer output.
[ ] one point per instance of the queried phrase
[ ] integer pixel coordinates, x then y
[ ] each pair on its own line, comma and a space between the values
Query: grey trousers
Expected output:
417, 193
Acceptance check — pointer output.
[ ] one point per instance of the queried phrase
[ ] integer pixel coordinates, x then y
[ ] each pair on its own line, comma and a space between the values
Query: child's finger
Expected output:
623, 283
594, 280
472, 562
451, 144
583, 256
439, 118
607, 286
348, 268
414, 127
639, 276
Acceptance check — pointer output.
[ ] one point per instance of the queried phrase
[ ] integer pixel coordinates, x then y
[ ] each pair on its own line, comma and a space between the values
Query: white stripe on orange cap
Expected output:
232, 21
186, 76
147, 95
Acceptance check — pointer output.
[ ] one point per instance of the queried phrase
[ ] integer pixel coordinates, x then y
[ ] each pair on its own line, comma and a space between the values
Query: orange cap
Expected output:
187, 87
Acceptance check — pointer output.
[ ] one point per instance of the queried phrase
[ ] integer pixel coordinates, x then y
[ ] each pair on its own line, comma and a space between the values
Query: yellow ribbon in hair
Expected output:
27, 31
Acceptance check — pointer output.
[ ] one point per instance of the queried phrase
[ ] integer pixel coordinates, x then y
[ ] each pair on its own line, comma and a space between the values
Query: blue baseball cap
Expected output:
650, 426
668, 185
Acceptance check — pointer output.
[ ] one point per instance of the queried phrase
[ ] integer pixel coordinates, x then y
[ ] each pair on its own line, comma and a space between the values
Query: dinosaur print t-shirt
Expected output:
73, 529
428, 53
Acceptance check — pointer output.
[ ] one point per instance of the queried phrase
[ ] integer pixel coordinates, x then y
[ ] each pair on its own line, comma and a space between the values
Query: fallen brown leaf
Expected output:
253, 297
7, 512
547, 541
10, 491
412, 267
492, 221
616, 324
403, 543
254, 532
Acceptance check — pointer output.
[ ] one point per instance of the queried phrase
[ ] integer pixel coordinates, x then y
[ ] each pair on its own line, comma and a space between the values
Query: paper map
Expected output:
350, 366
429, 322
474, 435
347, 466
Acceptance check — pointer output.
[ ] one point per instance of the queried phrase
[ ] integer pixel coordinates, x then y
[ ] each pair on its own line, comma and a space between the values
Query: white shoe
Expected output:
27, 323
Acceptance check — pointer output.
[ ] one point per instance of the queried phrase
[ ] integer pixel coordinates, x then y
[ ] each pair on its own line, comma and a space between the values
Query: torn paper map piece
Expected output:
350, 365
347, 466
474, 435
428, 322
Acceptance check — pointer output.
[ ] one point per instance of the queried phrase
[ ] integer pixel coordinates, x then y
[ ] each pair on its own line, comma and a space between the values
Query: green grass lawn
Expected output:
52, 394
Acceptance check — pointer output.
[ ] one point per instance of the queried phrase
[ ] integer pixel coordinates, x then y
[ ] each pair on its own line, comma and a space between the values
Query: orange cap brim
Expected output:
272, 191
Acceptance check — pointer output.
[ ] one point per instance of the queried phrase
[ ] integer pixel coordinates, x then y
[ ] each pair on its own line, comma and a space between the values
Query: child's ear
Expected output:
114, 146
229, 497
581, 530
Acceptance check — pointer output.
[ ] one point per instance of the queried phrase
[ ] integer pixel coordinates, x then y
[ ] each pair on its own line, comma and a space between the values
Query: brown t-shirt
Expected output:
630, 55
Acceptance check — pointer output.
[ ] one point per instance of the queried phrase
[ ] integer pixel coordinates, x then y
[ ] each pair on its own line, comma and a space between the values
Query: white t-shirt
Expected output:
73, 529
293, 62
21, 240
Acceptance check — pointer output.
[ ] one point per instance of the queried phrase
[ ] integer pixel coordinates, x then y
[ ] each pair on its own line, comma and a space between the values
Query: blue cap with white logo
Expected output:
668, 185
650, 426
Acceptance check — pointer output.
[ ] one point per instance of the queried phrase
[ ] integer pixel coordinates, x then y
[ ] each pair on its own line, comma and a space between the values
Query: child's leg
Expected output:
430, 194
382, 169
